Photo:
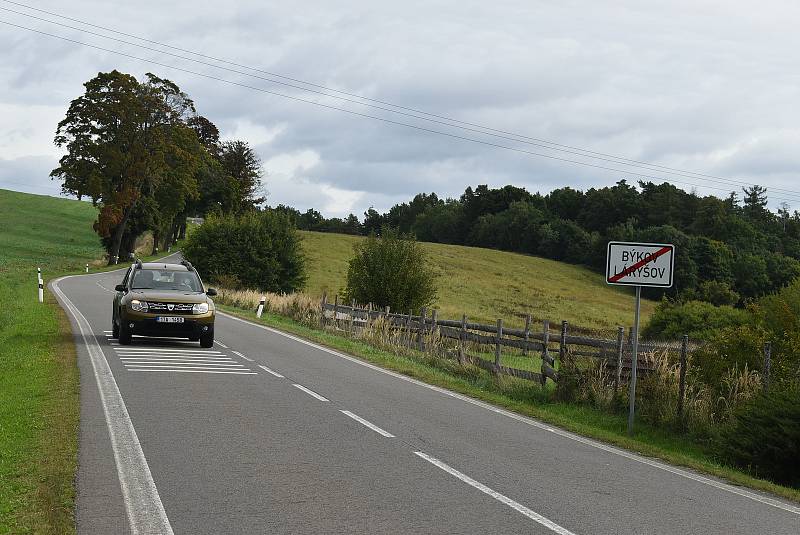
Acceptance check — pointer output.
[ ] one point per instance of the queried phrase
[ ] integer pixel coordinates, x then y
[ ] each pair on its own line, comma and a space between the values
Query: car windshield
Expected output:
165, 279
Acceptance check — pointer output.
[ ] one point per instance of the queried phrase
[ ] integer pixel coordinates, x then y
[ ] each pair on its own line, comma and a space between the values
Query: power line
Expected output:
481, 129
368, 116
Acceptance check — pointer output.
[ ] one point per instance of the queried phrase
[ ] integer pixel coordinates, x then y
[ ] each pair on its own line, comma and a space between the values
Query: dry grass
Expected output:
298, 306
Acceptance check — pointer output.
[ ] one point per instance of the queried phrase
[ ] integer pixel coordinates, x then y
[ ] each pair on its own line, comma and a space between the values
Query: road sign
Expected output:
640, 264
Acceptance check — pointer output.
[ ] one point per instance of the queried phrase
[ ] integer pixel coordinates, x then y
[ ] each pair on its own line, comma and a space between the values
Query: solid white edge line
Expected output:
766, 500
273, 372
367, 423
143, 504
310, 392
536, 517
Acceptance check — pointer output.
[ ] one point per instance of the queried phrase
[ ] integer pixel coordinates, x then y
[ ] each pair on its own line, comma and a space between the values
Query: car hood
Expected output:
169, 296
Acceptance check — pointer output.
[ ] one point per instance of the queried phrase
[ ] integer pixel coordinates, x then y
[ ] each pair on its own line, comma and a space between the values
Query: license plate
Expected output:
169, 319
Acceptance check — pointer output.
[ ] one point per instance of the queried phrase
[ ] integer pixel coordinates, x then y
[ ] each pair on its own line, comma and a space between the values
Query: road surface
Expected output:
266, 433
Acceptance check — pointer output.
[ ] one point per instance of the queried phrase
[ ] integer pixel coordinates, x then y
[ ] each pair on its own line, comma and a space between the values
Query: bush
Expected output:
258, 250
765, 437
391, 270
698, 319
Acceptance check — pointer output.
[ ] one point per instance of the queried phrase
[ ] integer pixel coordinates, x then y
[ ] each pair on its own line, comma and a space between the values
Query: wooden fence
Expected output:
551, 346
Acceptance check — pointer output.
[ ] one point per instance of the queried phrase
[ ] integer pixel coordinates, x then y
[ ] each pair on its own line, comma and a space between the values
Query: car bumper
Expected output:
148, 324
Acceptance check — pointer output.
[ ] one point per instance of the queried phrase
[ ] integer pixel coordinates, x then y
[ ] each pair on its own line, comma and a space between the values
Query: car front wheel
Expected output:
114, 329
207, 338
124, 334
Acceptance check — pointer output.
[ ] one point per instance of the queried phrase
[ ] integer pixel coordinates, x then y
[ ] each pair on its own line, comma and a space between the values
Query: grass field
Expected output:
39, 382
487, 284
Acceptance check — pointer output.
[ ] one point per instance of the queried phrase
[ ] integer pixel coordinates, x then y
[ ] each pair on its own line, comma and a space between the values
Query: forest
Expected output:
729, 251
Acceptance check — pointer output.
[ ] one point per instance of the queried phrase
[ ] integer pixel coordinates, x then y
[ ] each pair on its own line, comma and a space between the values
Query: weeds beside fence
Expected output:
591, 370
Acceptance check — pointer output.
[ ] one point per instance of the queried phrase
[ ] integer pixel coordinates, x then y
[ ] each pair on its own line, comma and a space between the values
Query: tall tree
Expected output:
241, 162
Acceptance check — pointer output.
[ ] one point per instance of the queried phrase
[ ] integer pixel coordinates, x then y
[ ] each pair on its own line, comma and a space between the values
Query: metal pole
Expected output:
634, 355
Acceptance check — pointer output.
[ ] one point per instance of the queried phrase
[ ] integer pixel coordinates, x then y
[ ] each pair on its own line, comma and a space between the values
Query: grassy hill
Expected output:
486, 284
39, 383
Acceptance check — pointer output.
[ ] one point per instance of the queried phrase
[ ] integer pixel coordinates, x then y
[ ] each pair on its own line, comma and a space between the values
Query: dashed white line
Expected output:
245, 358
536, 517
273, 372
310, 392
366, 423
535, 423
220, 344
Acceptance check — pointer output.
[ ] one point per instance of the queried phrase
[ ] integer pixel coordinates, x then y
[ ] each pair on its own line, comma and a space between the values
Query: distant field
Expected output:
39, 379
487, 284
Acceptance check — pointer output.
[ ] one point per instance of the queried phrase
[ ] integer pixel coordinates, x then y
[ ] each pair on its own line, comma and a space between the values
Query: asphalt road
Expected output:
266, 433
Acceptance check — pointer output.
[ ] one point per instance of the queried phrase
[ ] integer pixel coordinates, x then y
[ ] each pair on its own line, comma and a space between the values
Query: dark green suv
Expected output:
156, 299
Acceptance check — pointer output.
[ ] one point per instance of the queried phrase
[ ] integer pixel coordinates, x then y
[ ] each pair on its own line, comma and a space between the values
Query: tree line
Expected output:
729, 251
144, 156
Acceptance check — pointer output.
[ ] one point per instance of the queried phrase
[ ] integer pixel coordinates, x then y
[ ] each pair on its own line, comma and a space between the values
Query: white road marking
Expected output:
169, 348
536, 517
187, 359
183, 362
366, 423
766, 500
142, 502
310, 392
194, 371
245, 358
183, 367
273, 372
121, 351
220, 344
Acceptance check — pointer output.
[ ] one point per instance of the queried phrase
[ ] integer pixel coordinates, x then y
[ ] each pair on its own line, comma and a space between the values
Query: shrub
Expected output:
765, 437
698, 319
391, 270
259, 250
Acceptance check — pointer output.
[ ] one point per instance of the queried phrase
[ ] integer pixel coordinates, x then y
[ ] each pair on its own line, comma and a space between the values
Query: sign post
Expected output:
638, 264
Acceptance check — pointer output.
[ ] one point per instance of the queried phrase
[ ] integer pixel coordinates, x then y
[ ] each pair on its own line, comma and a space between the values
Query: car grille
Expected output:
177, 308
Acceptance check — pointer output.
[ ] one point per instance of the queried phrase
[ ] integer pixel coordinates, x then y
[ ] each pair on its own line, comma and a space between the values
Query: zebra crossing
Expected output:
176, 357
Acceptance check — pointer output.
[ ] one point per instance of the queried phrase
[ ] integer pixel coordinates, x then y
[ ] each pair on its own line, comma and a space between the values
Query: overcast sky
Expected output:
705, 86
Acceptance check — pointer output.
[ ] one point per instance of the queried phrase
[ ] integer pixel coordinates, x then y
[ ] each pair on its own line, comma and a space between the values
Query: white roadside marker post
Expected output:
41, 284
638, 264
87, 268
260, 308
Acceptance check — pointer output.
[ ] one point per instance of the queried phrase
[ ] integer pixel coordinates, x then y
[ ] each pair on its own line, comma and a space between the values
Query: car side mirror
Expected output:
120, 288
211, 292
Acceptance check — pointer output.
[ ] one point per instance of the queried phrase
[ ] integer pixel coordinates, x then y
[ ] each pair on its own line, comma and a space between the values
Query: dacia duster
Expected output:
156, 299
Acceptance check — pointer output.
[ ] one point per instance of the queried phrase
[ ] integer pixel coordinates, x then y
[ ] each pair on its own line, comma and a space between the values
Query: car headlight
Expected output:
200, 308
139, 306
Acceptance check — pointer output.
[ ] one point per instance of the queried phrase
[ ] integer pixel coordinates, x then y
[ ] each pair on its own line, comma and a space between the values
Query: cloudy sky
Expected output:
709, 87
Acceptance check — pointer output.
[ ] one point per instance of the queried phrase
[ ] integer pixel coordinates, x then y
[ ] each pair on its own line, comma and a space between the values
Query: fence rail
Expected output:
551, 346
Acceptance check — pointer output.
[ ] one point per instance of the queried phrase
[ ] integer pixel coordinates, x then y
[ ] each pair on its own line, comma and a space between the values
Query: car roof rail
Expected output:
188, 265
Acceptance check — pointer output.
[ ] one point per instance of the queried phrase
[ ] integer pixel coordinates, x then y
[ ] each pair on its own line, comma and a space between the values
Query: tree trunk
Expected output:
156, 237
182, 235
118, 232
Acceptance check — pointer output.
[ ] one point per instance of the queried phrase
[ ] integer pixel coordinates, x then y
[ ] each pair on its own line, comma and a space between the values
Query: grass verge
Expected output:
524, 398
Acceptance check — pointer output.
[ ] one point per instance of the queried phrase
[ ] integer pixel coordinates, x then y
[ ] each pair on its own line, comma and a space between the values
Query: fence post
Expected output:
527, 334
421, 331
461, 337
369, 316
352, 314
336, 312
620, 351
562, 345
408, 329
497, 339
434, 316
545, 351
322, 305
767, 364
682, 383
